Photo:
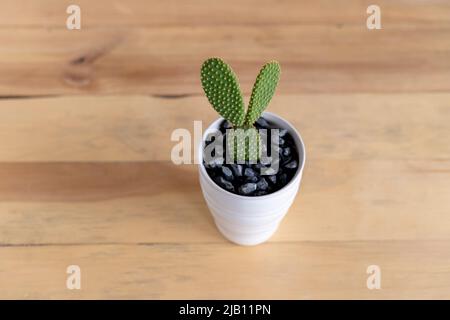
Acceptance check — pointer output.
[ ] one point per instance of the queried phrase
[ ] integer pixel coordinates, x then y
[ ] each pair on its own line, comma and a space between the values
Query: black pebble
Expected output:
291, 165
252, 179
286, 151
237, 169
262, 123
249, 172
285, 161
282, 132
247, 188
227, 174
271, 171
214, 163
262, 184
225, 184
272, 179
226, 125
257, 166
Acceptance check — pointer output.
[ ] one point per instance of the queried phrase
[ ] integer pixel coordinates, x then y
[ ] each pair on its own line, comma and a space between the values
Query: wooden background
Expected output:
85, 170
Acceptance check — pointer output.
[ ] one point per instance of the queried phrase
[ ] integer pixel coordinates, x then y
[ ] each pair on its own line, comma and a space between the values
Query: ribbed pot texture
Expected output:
250, 220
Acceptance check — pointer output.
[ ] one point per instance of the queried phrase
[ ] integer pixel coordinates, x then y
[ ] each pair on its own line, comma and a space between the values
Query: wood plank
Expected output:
137, 128
166, 60
158, 202
270, 271
105, 13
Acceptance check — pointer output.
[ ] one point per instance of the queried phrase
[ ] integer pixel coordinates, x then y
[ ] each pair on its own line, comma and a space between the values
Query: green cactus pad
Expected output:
262, 92
222, 89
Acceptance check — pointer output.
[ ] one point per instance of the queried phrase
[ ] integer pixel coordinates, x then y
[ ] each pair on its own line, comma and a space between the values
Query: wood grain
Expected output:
134, 48
158, 202
105, 13
300, 270
139, 128
85, 173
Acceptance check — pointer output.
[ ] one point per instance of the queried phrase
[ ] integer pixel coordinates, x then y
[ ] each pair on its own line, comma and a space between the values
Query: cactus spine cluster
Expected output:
222, 89
221, 86
262, 92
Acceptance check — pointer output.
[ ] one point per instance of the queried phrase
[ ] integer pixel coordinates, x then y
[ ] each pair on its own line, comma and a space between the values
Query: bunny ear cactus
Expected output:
221, 86
222, 89
263, 90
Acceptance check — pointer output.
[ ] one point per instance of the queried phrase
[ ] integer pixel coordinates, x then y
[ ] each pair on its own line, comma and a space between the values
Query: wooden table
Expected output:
85, 172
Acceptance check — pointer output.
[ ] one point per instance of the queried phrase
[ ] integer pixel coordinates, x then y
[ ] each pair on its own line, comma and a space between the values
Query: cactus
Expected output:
222, 89
262, 92
221, 86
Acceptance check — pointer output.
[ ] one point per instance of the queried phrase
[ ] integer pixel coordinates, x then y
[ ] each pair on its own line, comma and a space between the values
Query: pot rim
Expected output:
274, 194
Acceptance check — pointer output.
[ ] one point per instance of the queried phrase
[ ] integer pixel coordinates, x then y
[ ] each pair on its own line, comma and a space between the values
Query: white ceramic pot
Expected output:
250, 220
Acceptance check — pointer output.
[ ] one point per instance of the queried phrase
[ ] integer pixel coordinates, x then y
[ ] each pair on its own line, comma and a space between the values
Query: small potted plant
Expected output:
247, 191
